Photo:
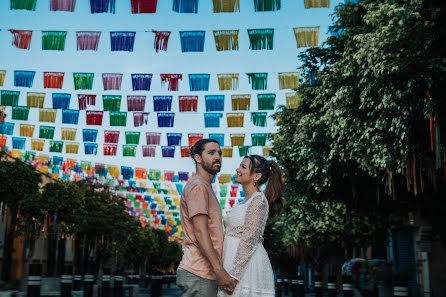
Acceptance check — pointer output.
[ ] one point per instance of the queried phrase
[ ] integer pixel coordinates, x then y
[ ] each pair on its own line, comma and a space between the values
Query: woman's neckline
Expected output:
247, 199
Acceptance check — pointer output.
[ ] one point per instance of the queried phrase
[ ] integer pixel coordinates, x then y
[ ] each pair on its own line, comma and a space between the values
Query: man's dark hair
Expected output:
198, 147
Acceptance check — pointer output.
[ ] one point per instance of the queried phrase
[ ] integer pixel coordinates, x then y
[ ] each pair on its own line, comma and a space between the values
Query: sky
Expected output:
144, 59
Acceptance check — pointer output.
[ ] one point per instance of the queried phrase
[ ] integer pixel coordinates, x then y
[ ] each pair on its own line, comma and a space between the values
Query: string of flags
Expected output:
190, 41
150, 6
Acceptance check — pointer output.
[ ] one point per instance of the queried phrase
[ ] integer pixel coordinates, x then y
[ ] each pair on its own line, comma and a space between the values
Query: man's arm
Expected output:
224, 280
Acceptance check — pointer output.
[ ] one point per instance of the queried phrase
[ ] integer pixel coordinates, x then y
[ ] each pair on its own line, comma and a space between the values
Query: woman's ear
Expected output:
257, 176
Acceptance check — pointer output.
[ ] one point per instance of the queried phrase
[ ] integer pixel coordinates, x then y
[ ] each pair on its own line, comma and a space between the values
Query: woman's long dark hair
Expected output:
272, 174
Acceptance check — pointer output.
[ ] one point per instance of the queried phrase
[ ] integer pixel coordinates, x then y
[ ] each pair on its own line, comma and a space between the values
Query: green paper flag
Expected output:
10, 98
83, 81
20, 113
266, 101
111, 102
53, 40
118, 118
23, 4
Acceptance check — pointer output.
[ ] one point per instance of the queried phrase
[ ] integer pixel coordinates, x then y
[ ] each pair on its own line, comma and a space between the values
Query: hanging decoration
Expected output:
316, 3
111, 136
293, 100
83, 81
128, 150
194, 137
91, 149
258, 139
23, 4
227, 81
56, 146
118, 118
70, 116
212, 120
143, 6
53, 80
266, 101
18, 143
267, 150
258, 80
84, 99
89, 135
237, 139
140, 118
132, 137
185, 6
87, 40
266, 5
165, 119
71, 147
100, 6
259, 119
220, 137
27, 130
94, 117
226, 40
199, 82
46, 132
148, 150
161, 40
162, 103
68, 133
112, 81
174, 139
35, 99
53, 40
261, 39
288, 80
61, 100
172, 79
185, 151
226, 153
111, 102
136, 103
24, 78
122, 41
21, 38
243, 151
192, 41
62, 5
10, 98
20, 113
188, 103
2, 77
226, 5
6, 128
241, 102
153, 138
214, 102
3, 140
37, 144
306, 36
47, 115
235, 119
110, 150
168, 151
141, 81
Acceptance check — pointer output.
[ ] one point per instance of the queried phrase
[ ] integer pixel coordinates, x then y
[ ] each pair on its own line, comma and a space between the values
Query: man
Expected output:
201, 270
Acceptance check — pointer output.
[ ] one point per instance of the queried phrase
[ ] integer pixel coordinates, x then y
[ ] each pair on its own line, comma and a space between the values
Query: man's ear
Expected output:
197, 158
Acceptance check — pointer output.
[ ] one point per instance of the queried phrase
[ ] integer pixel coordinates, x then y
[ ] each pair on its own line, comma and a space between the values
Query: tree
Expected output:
19, 185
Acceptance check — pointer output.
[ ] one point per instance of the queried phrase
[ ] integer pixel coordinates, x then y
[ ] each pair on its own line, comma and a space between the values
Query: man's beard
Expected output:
210, 168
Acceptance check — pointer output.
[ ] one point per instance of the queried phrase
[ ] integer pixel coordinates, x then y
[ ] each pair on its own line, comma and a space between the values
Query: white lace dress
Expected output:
244, 256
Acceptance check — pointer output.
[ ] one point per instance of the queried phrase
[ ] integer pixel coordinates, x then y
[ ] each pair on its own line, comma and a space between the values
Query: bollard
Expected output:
66, 281
285, 286
77, 280
34, 279
105, 283
279, 287
300, 286
400, 291
118, 286
331, 287
156, 287
294, 289
347, 290
318, 289
89, 280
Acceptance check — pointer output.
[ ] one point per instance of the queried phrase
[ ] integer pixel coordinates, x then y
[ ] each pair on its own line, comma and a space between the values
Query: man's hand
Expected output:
225, 281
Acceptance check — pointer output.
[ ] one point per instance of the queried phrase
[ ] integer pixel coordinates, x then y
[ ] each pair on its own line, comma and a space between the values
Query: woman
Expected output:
244, 256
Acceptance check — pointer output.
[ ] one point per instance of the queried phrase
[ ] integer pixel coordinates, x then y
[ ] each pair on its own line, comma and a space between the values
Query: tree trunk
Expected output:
9, 241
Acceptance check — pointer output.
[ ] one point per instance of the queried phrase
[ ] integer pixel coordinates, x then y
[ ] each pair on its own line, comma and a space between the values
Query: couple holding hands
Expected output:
235, 262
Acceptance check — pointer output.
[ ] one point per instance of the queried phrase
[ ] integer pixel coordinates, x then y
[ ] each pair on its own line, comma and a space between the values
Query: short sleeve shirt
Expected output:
199, 198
